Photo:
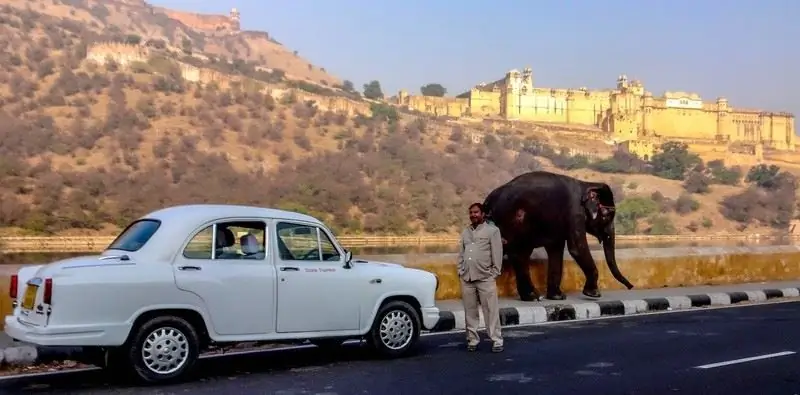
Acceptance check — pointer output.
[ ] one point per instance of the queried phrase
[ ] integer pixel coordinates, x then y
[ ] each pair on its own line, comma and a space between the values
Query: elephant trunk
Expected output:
611, 259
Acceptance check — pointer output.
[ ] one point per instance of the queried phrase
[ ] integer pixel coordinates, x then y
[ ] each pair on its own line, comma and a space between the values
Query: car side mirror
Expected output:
348, 258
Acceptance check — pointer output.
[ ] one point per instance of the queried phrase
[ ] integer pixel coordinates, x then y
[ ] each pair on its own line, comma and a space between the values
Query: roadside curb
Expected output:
454, 320
21, 354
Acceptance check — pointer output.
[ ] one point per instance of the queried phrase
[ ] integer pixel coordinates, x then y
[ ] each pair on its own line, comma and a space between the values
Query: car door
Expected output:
315, 292
226, 264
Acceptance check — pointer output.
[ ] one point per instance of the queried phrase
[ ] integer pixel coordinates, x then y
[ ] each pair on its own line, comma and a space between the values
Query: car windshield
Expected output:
135, 235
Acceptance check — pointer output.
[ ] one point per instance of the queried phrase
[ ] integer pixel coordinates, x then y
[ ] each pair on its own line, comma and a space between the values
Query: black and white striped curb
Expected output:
454, 320
23, 354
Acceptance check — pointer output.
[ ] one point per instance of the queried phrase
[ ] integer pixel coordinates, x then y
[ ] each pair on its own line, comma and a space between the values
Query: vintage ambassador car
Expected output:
181, 279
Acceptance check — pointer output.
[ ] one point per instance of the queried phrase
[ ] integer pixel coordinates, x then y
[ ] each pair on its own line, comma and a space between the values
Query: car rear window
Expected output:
135, 235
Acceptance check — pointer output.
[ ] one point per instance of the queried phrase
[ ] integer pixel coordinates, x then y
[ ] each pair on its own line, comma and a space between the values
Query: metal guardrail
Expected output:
16, 244
98, 243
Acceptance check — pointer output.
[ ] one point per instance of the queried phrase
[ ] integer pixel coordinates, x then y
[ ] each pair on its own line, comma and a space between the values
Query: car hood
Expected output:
362, 262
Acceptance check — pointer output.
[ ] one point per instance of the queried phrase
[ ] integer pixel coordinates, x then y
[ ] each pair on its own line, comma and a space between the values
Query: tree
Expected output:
630, 210
133, 39
186, 46
697, 182
763, 176
771, 201
724, 175
661, 225
436, 90
373, 91
384, 112
674, 161
347, 86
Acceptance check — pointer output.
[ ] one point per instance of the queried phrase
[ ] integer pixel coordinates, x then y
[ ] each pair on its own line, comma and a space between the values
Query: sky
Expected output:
747, 51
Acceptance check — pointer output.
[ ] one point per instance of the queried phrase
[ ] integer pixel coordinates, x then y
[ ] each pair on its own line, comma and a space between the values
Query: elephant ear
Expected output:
600, 192
598, 199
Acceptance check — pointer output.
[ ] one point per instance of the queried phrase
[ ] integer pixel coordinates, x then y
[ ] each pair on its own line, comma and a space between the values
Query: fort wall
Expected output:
126, 54
122, 54
646, 268
206, 23
438, 106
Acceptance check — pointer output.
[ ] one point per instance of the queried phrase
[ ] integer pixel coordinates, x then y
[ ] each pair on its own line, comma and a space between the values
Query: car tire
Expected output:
157, 344
396, 329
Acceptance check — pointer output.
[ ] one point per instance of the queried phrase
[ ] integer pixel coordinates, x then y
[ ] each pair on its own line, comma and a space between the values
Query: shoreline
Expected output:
63, 244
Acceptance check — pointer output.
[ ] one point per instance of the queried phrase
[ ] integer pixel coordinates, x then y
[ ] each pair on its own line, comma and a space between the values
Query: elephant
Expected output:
544, 209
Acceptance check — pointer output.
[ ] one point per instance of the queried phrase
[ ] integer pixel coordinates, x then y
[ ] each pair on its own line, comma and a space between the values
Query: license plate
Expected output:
29, 299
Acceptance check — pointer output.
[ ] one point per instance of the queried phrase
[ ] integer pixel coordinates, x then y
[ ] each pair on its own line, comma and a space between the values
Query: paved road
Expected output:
653, 354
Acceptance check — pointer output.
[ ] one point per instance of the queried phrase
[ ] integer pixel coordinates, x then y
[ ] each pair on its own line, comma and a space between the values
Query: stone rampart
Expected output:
646, 268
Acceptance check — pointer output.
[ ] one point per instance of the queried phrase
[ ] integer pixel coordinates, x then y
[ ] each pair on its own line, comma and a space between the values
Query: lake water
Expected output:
35, 258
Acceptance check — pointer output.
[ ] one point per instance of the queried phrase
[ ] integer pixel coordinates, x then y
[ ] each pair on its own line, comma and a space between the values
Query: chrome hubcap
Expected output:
165, 350
396, 329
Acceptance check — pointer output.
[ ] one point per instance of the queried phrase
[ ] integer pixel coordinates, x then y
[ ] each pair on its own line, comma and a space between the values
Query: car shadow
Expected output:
210, 369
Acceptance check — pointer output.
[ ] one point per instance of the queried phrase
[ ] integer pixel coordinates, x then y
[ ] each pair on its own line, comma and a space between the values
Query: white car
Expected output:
181, 279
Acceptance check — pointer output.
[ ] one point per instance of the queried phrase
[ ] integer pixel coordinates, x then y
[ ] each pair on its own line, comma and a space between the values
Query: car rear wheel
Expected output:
396, 329
163, 349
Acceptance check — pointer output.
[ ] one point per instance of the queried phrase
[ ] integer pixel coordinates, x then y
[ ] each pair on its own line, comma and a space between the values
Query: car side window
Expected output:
297, 242
329, 252
235, 240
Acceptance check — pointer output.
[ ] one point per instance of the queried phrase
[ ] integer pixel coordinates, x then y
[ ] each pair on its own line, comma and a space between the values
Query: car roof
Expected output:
179, 223
200, 213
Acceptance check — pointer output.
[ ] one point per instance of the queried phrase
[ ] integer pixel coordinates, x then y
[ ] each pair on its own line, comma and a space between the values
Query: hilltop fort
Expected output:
205, 23
629, 112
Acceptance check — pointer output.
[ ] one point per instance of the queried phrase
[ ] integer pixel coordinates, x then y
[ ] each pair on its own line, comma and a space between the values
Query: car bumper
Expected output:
64, 336
430, 317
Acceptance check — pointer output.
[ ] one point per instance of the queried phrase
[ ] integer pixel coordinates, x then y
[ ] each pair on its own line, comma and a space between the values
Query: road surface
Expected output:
739, 350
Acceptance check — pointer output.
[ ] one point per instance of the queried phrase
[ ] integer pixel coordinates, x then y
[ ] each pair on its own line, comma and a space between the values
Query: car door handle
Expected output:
375, 281
190, 268
289, 268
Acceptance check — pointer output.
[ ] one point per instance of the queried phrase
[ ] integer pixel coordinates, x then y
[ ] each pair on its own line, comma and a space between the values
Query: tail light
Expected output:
48, 291
12, 287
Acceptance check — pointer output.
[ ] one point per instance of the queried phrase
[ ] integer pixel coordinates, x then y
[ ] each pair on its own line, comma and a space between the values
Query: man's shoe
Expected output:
497, 348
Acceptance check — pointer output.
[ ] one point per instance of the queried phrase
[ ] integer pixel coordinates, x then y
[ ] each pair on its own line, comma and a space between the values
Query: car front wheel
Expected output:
396, 329
163, 349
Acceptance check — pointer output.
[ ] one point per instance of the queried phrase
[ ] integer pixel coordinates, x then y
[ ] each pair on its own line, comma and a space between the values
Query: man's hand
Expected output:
504, 241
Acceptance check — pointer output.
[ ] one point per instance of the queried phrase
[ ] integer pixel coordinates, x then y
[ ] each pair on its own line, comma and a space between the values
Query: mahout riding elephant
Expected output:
543, 209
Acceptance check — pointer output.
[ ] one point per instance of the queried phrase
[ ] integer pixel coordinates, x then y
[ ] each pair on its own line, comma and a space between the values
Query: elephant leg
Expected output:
525, 288
579, 250
555, 269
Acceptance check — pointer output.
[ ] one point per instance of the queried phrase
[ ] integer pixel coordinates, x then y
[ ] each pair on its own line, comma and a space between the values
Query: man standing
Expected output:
480, 260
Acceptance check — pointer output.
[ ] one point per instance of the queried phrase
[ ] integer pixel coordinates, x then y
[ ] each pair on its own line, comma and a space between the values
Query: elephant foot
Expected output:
592, 293
556, 296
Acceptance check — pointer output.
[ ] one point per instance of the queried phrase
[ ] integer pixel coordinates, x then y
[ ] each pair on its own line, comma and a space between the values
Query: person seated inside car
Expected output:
225, 242
251, 248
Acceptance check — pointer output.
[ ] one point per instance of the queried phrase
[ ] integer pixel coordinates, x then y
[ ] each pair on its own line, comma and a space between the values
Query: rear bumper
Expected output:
430, 317
65, 336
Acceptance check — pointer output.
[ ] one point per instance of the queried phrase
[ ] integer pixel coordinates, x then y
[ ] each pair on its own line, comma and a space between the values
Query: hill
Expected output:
98, 130
191, 34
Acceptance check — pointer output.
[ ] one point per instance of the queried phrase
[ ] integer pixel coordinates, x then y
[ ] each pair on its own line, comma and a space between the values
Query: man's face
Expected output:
475, 215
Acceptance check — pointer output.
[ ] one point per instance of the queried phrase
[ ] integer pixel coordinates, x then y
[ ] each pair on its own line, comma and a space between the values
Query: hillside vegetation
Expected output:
136, 20
86, 148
